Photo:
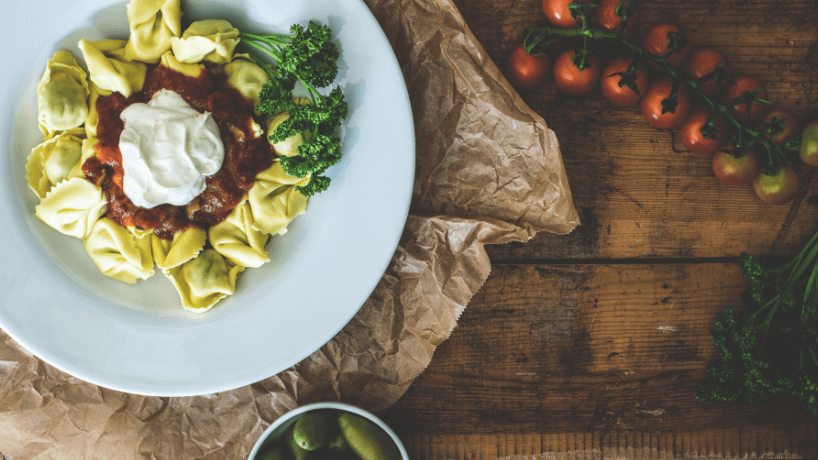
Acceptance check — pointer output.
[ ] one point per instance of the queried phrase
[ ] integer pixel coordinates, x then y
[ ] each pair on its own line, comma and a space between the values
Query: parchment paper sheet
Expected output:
489, 171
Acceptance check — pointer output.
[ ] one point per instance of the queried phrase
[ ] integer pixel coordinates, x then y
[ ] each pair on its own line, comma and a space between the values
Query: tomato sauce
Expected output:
244, 154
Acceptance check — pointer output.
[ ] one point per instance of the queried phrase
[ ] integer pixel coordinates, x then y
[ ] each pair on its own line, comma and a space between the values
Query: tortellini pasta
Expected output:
61, 94
212, 40
118, 253
153, 23
92, 120
204, 280
185, 246
275, 201
237, 240
87, 152
52, 161
72, 207
289, 146
109, 69
191, 70
246, 76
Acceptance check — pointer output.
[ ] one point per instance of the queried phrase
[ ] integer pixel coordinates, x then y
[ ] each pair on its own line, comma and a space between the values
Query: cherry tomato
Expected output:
741, 84
736, 171
617, 92
652, 108
609, 21
778, 189
809, 144
702, 63
525, 71
559, 14
657, 42
571, 80
692, 136
790, 126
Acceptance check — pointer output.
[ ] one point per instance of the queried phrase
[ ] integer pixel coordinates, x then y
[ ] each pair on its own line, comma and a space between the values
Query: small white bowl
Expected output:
278, 427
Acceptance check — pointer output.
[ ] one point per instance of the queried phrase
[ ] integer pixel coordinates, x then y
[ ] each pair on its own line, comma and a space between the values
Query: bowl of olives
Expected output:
328, 430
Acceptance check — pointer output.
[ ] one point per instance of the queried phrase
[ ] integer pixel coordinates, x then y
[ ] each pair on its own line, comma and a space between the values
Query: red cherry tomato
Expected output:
609, 21
525, 71
617, 92
741, 84
778, 189
809, 144
790, 126
571, 80
702, 63
559, 14
652, 108
736, 171
692, 136
657, 42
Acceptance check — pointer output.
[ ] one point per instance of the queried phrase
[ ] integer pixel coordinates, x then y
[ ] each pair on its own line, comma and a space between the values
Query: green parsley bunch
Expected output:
772, 351
310, 57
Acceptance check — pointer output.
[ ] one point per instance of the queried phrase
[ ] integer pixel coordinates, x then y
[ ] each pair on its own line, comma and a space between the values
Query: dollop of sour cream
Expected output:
168, 150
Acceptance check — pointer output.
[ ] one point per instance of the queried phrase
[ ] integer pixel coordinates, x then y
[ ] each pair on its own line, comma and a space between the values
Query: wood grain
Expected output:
590, 352
590, 345
639, 192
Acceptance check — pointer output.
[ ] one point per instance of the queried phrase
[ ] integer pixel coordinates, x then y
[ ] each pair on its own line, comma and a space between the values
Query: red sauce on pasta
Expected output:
244, 154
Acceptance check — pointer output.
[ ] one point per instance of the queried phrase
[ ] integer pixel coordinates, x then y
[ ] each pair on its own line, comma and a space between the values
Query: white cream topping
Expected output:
168, 149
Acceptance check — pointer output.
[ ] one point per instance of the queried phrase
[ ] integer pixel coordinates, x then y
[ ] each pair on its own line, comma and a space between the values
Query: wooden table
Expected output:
590, 345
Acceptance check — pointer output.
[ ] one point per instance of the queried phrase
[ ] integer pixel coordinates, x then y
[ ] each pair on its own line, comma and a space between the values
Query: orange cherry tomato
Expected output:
657, 42
652, 108
609, 21
702, 63
571, 80
559, 14
525, 71
740, 84
778, 189
790, 126
691, 132
736, 171
617, 92
809, 144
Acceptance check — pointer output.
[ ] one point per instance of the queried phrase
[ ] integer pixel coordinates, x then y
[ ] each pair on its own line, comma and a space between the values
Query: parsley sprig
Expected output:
310, 57
770, 352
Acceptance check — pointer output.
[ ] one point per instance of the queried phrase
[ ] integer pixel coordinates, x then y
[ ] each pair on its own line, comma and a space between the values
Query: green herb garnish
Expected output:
310, 57
772, 352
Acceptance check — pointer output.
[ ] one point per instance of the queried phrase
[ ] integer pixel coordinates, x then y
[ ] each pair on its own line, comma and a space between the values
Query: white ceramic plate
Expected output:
137, 338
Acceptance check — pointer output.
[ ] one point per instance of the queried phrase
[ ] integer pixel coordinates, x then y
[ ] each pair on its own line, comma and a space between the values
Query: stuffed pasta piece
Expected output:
186, 245
191, 70
61, 94
246, 76
212, 40
119, 253
92, 120
289, 146
110, 69
237, 240
205, 280
52, 161
153, 23
72, 207
275, 201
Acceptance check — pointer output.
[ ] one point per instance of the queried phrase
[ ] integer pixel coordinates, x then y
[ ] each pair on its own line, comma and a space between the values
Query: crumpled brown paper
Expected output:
489, 171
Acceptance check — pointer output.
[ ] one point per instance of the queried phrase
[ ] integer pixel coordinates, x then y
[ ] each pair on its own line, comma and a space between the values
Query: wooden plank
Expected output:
592, 359
640, 194
613, 446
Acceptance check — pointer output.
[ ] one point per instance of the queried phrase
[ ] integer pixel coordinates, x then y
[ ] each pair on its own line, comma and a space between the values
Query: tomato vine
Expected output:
744, 134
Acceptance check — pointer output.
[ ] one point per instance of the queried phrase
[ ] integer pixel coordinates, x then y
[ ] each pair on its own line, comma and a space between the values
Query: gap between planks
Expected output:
650, 261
